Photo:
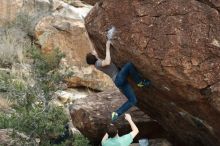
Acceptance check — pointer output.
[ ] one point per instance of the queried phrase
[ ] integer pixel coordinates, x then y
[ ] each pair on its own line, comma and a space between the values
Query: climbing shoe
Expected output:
114, 116
144, 83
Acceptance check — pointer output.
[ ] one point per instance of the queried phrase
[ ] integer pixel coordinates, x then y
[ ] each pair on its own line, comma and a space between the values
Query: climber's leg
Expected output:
132, 100
129, 69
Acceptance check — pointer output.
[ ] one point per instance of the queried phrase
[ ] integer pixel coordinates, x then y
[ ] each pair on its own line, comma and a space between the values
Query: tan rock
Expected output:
70, 36
75, 11
91, 78
9, 10
71, 95
66, 34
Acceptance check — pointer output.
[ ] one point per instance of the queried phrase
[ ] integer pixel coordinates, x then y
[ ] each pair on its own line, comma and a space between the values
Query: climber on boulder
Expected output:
118, 76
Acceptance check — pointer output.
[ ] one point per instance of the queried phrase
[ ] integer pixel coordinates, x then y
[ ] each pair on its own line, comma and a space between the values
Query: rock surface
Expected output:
91, 2
91, 78
9, 10
159, 142
64, 33
176, 44
65, 30
93, 117
67, 97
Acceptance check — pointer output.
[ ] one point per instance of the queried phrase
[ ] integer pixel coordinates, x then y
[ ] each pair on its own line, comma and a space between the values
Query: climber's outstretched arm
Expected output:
134, 128
105, 138
107, 60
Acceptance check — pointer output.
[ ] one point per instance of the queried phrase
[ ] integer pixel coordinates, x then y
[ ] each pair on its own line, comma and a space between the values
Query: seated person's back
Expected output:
111, 138
125, 140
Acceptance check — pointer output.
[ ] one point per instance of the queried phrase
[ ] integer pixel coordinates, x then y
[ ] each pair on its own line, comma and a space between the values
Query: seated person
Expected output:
111, 138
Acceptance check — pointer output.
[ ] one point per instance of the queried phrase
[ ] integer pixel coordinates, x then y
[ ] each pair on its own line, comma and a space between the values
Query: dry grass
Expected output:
14, 39
12, 44
4, 104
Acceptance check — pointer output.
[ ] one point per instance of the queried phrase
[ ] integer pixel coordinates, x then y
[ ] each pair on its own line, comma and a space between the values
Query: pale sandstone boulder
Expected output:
69, 35
66, 97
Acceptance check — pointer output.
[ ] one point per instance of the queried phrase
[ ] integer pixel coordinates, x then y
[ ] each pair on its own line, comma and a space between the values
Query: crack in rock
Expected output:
210, 4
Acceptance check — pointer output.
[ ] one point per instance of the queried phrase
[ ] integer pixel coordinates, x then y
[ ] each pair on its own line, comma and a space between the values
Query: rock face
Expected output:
91, 2
93, 117
69, 35
65, 29
176, 44
159, 142
91, 78
66, 34
55, 24
9, 10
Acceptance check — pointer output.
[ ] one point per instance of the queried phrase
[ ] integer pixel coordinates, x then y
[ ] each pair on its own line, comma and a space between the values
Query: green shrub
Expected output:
4, 81
80, 140
33, 114
46, 71
36, 122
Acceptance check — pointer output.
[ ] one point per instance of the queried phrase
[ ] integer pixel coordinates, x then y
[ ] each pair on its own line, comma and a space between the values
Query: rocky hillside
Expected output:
175, 44
55, 24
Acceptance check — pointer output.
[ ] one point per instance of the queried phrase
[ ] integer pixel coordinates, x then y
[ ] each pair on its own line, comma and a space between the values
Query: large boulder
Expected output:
91, 116
175, 44
91, 78
66, 34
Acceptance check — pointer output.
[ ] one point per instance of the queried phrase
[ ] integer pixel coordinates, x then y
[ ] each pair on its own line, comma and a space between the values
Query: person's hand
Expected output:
94, 52
128, 117
111, 33
108, 43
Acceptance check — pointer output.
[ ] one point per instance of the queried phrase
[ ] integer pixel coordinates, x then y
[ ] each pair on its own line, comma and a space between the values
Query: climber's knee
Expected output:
133, 101
118, 82
129, 65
